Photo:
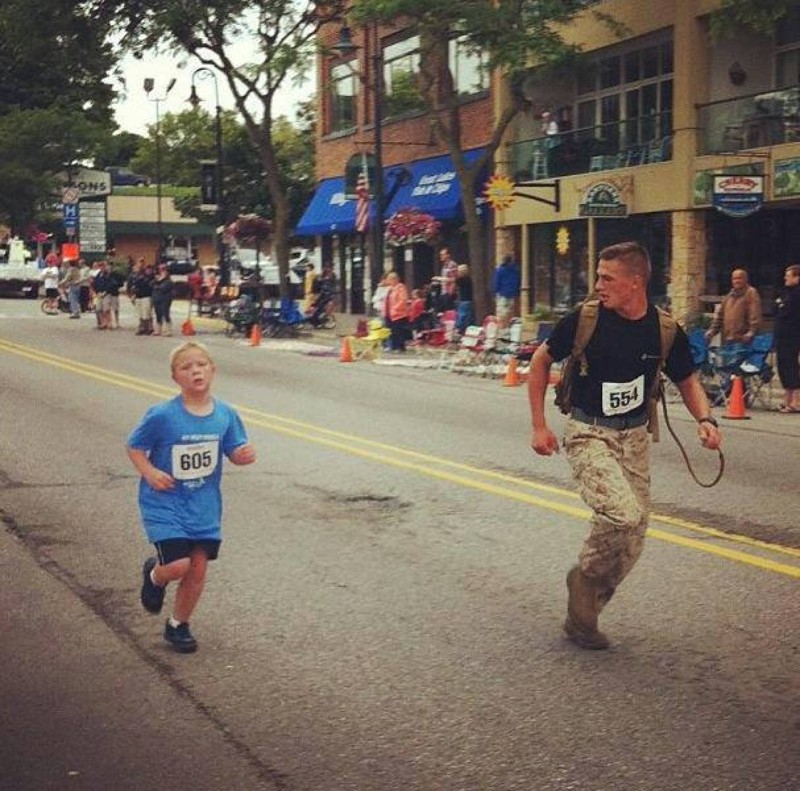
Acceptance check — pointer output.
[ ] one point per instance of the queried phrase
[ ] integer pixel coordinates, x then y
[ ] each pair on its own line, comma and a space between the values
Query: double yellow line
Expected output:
688, 534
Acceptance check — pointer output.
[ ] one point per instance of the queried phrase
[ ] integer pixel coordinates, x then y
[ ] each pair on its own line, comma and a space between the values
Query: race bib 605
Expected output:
196, 460
622, 397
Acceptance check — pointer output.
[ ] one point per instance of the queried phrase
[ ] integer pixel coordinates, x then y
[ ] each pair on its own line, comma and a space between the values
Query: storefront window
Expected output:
561, 281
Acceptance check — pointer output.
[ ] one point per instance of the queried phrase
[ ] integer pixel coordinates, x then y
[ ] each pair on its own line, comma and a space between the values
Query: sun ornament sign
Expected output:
499, 192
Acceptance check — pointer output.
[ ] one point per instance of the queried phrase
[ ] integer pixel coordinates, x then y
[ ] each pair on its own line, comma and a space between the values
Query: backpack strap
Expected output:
667, 328
587, 322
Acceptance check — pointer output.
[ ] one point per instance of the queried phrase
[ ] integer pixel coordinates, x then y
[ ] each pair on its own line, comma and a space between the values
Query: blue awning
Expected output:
433, 187
328, 212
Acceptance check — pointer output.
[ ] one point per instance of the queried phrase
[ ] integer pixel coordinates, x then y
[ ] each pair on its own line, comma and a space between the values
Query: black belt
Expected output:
618, 422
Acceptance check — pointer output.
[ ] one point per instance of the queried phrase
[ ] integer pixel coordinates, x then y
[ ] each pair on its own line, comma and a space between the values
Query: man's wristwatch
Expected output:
709, 419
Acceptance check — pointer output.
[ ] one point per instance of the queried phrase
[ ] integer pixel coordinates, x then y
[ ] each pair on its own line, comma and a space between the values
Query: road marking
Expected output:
437, 467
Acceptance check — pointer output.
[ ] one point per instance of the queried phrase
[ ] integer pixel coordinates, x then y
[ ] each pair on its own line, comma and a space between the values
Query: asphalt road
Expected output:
386, 610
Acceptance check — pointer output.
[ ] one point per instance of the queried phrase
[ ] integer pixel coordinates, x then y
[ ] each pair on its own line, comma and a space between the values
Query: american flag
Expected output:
362, 203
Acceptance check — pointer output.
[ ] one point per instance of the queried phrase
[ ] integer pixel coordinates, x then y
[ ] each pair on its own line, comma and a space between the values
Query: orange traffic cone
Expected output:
347, 353
512, 378
187, 328
255, 335
736, 405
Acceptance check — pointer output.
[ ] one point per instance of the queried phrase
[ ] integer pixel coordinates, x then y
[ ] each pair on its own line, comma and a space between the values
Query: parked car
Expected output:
122, 177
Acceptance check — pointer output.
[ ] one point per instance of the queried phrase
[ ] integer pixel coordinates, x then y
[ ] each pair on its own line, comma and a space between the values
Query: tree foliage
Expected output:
189, 137
55, 108
281, 34
760, 16
512, 35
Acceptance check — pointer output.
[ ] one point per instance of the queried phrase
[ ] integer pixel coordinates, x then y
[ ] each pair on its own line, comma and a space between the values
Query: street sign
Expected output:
70, 214
70, 195
89, 183
93, 226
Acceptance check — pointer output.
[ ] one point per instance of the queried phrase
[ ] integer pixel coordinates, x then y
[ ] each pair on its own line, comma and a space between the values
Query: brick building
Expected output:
418, 171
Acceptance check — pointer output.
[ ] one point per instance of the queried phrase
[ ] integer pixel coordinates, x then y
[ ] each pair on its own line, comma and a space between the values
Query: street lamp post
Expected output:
343, 47
203, 72
149, 84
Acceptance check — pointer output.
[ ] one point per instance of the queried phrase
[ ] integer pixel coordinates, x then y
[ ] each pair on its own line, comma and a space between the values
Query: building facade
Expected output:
689, 144
417, 169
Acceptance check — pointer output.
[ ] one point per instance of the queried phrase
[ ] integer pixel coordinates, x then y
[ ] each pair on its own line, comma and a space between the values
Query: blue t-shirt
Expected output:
190, 449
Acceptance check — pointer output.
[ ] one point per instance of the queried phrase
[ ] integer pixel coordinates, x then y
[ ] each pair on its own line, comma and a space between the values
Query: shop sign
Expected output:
603, 199
738, 196
499, 192
787, 178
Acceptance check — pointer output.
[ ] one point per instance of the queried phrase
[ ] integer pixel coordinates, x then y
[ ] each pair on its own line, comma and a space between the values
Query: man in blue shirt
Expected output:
506, 286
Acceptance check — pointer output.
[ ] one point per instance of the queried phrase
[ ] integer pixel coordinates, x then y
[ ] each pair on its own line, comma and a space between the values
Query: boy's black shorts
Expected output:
172, 549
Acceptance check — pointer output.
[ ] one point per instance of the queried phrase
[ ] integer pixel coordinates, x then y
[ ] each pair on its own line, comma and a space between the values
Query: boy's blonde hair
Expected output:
185, 347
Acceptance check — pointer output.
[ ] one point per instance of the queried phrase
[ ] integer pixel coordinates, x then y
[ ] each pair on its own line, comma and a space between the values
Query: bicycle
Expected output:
52, 305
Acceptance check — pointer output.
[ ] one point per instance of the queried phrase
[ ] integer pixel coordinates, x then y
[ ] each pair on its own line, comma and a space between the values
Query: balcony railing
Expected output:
761, 119
636, 141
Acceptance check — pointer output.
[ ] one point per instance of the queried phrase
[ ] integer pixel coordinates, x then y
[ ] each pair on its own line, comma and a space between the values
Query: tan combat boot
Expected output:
582, 610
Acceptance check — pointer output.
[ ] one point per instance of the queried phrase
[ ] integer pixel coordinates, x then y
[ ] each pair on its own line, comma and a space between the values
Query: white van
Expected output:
245, 259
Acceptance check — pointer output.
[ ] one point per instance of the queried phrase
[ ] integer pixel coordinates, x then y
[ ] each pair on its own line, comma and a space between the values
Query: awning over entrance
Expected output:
433, 187
328, 211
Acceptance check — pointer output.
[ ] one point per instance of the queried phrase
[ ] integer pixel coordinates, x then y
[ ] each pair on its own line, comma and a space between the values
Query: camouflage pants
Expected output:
612, 471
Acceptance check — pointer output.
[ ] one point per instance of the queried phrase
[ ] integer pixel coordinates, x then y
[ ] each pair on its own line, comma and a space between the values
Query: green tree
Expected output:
190, 136
118, 149
760, 16
55, 108
282, 36
512, 34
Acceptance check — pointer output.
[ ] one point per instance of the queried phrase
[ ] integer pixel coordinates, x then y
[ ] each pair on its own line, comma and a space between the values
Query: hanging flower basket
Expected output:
249, 229
408, 226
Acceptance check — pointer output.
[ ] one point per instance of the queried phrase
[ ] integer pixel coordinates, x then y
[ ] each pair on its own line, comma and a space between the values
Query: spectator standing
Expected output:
378, 301
549, 126
464, 313
177, 448
50, 277
71, 282
397, 311
141, 292
506, 284
309, 288
447, 278
163, 294
195, 281
787, 340
739, 313
85, 284
114, 285
100, 283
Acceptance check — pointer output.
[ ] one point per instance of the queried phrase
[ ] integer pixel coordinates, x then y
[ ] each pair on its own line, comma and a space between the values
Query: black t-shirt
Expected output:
619, 352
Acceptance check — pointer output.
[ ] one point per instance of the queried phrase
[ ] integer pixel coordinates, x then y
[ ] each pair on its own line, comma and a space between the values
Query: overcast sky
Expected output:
135, 112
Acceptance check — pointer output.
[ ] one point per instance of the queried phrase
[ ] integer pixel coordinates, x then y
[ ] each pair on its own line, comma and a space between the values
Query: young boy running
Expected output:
176, 449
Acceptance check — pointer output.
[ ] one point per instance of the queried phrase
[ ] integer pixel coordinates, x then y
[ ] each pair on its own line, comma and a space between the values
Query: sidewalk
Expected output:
82, 707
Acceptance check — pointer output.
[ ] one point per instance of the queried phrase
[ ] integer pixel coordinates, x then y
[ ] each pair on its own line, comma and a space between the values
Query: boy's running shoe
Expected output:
180, 638
152, 596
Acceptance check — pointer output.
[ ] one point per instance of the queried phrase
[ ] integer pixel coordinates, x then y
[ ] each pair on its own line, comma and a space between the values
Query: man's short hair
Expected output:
632, 255
793, 269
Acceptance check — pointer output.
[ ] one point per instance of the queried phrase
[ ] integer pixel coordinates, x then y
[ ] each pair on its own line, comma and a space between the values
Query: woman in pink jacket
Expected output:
397, 311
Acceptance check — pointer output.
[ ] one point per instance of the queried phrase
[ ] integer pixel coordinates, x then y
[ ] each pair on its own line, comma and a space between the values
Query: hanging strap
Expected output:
683, 451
